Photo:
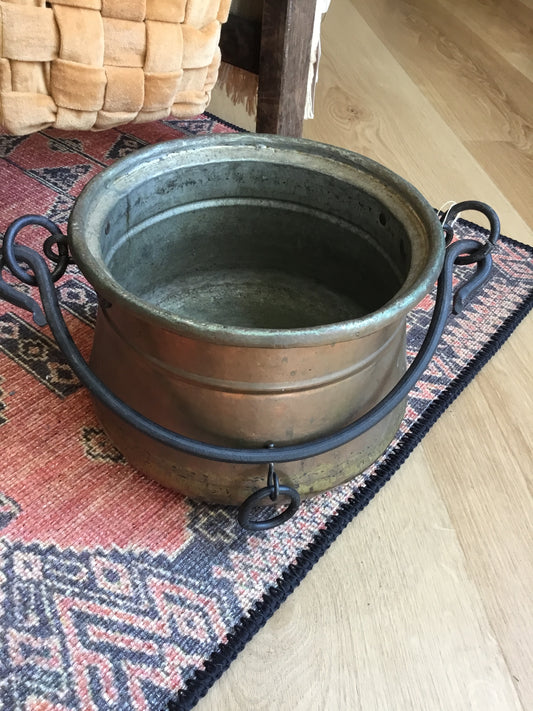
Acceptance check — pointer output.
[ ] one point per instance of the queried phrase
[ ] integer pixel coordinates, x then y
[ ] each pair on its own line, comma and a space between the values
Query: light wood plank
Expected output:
481, 97
374, 107
490, 495
388, 619
510, 34
508, 165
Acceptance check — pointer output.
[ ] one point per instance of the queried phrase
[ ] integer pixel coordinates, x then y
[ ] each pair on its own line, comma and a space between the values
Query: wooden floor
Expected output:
425, 602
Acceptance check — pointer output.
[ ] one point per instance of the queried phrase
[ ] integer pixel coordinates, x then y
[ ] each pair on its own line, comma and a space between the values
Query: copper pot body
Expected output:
252, 289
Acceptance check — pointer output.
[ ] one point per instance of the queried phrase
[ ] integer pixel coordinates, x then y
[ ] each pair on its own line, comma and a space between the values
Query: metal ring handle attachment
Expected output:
274, 490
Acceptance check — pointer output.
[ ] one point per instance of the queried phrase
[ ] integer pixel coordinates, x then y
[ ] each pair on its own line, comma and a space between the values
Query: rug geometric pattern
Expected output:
116, 594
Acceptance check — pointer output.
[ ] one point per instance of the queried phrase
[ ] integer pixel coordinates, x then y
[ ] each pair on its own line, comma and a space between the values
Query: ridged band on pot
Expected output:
252, 289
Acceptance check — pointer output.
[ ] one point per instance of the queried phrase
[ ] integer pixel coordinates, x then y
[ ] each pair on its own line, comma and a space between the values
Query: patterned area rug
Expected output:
116, 594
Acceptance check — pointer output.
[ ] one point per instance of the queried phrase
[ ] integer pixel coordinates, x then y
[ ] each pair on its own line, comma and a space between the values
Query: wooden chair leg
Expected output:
286, 35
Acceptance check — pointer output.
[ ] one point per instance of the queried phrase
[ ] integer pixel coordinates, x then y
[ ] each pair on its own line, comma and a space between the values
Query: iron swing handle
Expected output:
464, 251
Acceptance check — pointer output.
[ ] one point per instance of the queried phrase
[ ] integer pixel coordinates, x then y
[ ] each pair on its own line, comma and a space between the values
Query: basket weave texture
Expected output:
95, 64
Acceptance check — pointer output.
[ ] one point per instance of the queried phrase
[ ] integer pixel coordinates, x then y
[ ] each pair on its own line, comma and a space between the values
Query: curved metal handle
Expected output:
479, 256
443, 306
494, 222
464, 251
61, 259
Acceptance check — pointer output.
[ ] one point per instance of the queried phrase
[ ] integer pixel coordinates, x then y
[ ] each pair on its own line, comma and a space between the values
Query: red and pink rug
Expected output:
116, 594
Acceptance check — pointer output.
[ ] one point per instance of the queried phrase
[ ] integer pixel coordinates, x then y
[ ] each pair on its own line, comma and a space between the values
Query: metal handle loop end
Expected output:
273, 490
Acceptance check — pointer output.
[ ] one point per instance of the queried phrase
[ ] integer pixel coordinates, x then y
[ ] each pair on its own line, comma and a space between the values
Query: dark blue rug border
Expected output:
224, 123
202, 681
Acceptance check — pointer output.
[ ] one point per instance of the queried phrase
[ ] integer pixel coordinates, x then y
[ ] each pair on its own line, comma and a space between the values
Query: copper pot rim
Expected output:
405, 201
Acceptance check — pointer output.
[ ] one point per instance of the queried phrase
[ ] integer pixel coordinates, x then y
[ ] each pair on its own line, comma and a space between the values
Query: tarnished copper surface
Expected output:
254, 289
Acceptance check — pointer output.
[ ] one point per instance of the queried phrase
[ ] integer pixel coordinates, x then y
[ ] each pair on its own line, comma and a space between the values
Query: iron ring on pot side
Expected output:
313, 446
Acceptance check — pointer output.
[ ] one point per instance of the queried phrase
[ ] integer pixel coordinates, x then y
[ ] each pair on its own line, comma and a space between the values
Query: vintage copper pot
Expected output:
253, 295
253, 289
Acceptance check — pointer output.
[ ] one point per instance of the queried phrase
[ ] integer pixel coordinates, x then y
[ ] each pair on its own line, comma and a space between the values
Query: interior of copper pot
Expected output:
264, 261
256, 263
246, 236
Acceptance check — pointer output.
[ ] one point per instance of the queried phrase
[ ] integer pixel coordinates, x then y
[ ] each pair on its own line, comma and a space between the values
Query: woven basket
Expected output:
95, 64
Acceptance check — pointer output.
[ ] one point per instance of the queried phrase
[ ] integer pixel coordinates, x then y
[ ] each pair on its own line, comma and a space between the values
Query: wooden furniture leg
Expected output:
286, 35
